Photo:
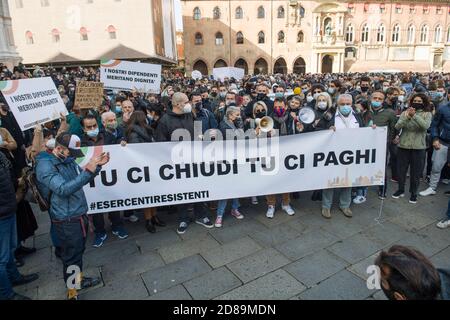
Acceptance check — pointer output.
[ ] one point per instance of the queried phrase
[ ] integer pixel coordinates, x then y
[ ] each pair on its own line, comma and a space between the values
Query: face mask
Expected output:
118, 109
345, 110
214, 94
401, 98
279, 95
376, 104
260, 115
322, 105
331, 90
112, 126
304, 91
417, 105
199, 106
237, 122
309, 99
385, 89
93, 133
50, 144
205, 100
1, 140
223, 94
260, 96
187, 108
316, 95
364, 89
280, 112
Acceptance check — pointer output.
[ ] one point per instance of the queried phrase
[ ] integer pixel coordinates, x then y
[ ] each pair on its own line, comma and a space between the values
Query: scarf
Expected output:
282, 122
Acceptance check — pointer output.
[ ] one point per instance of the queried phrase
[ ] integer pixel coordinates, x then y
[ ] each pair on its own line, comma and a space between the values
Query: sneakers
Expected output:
133, 218
120, 232
99, 240
444, 224
413, 199
428, 192
447, 193
288, 209
398, 194
326, 213
87, 282
182, 228
445, 181
270, 212
359, 200
347, 212
381, 196
395, 180
235, 213
218, 223
254, 200
25, 279
205, 222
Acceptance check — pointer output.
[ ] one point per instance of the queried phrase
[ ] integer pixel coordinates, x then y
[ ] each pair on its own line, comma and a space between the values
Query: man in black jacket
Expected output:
9, 275
181, 117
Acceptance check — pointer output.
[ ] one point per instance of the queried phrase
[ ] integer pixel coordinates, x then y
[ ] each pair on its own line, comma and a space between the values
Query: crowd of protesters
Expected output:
414, 107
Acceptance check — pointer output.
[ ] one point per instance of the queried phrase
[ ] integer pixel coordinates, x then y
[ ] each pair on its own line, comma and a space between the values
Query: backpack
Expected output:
30, 178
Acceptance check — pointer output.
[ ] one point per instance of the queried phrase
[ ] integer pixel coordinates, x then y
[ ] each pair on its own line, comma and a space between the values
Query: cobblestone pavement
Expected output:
300, 257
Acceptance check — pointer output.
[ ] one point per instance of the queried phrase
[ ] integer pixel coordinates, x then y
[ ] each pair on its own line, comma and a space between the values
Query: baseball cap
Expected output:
71, 142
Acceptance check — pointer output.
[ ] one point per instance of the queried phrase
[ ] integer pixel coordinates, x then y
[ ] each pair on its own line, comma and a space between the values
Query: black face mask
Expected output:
260, 115
205, 100
238, 122
364, 89
199, 106
417, 106
214, 94
260, 96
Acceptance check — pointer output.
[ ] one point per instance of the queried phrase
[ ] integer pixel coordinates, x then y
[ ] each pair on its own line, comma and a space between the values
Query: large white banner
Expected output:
159, 174
128, 76
228, 72
33, 101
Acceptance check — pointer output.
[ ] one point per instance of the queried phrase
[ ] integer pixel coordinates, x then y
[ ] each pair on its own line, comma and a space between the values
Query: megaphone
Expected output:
306, 115
265, 124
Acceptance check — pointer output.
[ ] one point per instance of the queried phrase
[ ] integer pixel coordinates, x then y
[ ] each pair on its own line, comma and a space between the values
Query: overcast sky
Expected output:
178, 15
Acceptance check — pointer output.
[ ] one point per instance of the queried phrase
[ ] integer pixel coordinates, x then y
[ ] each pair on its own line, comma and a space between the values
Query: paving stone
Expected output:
442, 259
275, 235
237, 231
341, 286
174, 293
428, 244
379, 295
108, 254
130, 288
277, 285
360, 268
357, 247
187, 248
149, 242
305, 244
212, 284
258, 264
279, 218
230, 252
133, 265
314, 268
387, 232
413, 222
175, 273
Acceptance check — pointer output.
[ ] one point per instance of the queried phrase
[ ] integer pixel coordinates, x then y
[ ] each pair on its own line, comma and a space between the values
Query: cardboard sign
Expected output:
89, 94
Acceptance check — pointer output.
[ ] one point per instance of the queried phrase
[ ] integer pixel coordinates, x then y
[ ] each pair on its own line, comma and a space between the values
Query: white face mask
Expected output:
1, 140
401, 98
187, 108
50, 144
309, 98
322, 105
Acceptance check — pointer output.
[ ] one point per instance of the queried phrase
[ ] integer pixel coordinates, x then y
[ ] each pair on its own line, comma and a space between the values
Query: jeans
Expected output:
439, 161
199, 212
99, 222
414, 159
72, 236
393, 151
345, 197
222, 204
361, 191
8, 269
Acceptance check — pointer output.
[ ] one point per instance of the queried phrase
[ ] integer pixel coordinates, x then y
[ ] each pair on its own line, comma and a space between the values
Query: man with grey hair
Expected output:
181, 117
344, 118
113, 132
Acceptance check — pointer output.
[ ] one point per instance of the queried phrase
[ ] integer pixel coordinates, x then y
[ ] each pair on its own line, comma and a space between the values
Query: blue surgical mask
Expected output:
376, 104
279, 95
118, 109
93, 133
345, 110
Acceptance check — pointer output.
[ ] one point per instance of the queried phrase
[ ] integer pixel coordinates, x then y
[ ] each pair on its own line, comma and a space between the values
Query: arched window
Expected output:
219, 39
239, 14
197, 13
83, 34
261, 12
424, 34
437, 34
380, 33
365, 33
302, 12
29, 37
280, 14
281, 37
396, 34
198, 38
261, 37
239, 38
349, 33
56, 35
300, 37
112, 32
411, 34
216, 13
